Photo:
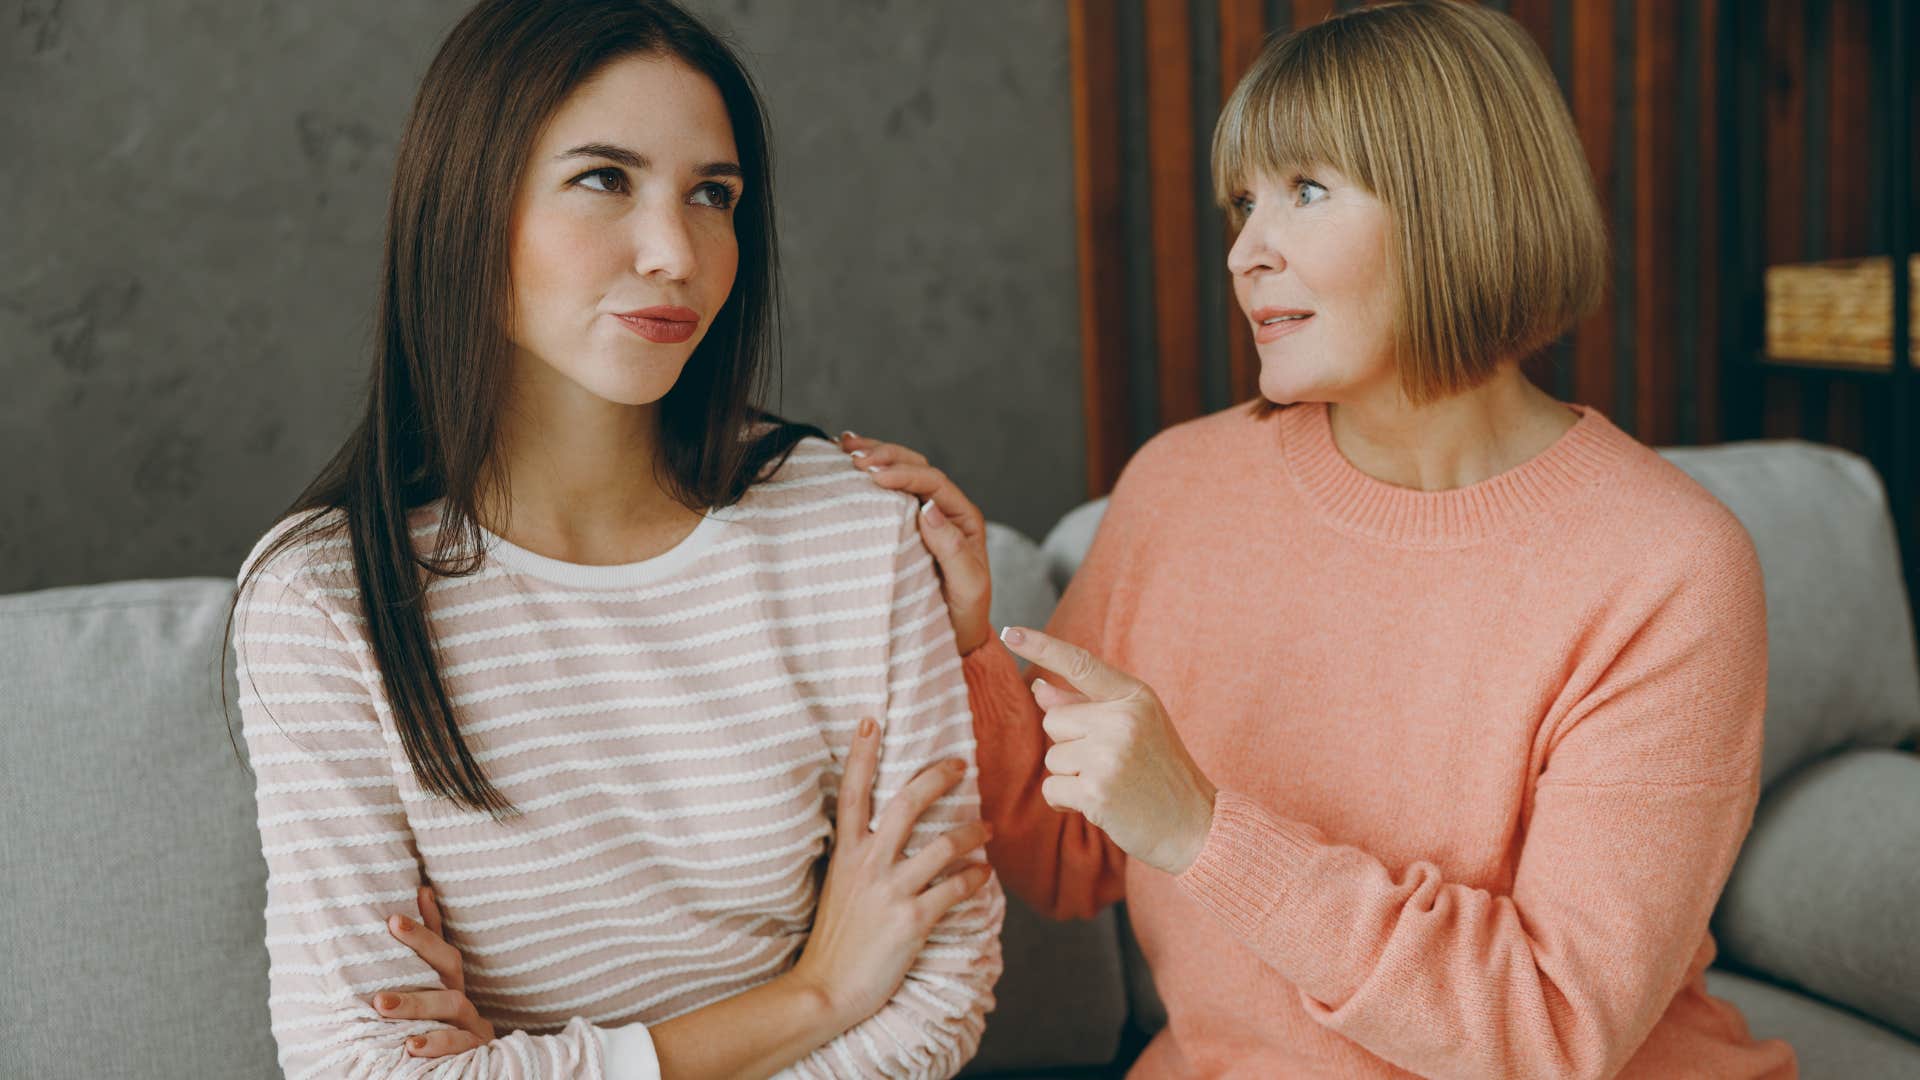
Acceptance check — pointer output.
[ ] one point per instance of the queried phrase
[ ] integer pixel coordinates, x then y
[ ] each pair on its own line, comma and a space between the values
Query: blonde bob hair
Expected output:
1448, 114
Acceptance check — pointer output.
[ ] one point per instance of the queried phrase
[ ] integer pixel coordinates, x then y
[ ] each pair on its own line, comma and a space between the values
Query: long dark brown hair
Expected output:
441, 351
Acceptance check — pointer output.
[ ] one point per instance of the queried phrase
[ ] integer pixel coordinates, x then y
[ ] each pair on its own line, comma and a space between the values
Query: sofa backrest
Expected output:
133, 930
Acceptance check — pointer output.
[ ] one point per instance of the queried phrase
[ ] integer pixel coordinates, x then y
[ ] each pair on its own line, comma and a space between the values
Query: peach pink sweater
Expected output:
1485, 757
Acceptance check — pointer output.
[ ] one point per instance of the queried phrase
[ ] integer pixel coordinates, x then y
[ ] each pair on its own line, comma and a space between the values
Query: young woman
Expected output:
570, 633
1415, 714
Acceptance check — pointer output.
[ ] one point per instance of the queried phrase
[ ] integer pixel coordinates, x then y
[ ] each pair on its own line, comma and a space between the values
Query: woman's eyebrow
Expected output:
638, 162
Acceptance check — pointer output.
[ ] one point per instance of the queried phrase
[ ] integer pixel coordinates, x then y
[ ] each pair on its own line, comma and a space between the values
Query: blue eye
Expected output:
721, 195
1301, 184
1240, 204
618, 177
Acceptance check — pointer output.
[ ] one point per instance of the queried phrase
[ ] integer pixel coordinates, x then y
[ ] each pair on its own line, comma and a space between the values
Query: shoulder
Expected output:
301, 546
818, 492
1673, 522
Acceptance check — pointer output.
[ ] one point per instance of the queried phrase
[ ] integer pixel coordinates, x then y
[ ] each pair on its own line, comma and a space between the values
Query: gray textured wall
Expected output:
191, 195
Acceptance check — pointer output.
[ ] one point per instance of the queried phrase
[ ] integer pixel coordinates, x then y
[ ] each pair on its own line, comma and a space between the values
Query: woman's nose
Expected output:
665, 246
1253, 250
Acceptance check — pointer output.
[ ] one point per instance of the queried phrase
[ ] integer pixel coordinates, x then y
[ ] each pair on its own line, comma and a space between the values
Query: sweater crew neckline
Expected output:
1359, 503
609, 575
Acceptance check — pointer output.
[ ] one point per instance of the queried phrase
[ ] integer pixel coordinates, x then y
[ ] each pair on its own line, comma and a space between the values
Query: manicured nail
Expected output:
848, 435
866, 726
956, 765
1013, 635
418, 1042
874, 468
402, 923
858, 454
1037, 683
385, 1001
934, 516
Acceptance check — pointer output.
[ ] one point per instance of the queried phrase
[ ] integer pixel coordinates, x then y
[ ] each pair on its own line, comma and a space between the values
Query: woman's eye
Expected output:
1241, 205
612, 175
1303, 186
715, 194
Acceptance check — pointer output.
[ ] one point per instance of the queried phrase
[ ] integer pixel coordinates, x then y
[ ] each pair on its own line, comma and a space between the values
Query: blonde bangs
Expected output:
1286, 115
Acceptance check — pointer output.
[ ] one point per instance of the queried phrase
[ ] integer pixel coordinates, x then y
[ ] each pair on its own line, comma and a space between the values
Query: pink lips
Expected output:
664, 324
1263, 333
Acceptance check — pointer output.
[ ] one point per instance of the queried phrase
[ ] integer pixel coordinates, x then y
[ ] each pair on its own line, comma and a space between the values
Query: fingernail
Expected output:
385, 1001
418, 1042
402, 923
874, 468
858, 454
956, 765
1013, 635
866, 726
1036, 685
848, 435
934, 516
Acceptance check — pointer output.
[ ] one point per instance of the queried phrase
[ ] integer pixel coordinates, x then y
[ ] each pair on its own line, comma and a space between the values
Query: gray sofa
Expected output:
131, 929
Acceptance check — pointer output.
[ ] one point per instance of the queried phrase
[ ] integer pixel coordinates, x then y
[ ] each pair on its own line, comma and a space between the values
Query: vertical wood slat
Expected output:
1308, 12
1243, 27
1593, 112
1785, 179
1093, 36
1707, 395
1170, 147
1848, 104
1536, 17
1656, 223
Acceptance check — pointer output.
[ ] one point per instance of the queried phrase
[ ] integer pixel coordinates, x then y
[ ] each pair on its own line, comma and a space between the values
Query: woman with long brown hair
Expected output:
573, 661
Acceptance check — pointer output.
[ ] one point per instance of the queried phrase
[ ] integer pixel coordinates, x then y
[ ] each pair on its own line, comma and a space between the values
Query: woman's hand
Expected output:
876, 908
427, 937
1115, 756
952, 527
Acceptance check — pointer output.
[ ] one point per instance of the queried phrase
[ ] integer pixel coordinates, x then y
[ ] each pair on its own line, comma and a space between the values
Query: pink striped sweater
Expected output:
672, 729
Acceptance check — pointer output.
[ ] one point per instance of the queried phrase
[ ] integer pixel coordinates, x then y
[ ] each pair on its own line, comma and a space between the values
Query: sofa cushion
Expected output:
1827, 1041
133, 930
1840, 653
1824, 895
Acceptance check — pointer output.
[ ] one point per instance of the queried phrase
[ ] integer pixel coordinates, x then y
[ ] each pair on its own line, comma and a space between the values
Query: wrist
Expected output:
818, 1013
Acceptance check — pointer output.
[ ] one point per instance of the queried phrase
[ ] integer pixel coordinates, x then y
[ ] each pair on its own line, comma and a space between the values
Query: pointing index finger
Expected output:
1086, 672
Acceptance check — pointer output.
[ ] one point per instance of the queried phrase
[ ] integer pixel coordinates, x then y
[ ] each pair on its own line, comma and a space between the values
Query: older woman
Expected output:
1415, 714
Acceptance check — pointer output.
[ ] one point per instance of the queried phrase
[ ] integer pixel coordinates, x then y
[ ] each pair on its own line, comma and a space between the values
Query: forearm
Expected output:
752, 1034
1055, 860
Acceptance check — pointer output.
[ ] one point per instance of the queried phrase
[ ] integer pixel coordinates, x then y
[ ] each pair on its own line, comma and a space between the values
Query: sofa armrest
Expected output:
1823, 897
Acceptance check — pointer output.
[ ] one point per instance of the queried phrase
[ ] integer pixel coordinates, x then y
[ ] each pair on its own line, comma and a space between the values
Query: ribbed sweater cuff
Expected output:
1250, 864
995, 687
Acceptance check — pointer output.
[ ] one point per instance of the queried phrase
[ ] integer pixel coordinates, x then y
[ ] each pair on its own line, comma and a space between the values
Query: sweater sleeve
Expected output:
341, 859
931, 1027
1054, 860
1648, 789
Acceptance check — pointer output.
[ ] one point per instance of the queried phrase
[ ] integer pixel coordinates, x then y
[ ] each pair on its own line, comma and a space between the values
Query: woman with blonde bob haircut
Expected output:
1415, 714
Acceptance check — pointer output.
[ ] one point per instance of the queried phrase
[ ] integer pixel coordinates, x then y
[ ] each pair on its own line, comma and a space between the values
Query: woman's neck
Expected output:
1453, 443
582, 480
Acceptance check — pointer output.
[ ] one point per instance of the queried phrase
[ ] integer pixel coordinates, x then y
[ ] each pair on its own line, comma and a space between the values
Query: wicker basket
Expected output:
1838, 312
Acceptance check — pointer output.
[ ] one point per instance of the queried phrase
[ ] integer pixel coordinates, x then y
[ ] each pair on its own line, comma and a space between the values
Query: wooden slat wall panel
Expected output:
1093, 35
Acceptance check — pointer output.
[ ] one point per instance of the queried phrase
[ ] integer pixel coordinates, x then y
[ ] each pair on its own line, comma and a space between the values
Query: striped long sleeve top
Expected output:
672, 732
